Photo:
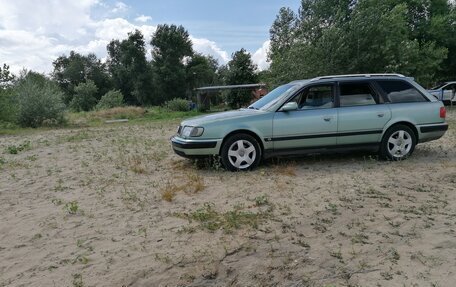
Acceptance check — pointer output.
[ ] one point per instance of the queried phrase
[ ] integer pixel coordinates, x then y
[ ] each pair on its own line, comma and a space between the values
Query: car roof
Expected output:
350, 77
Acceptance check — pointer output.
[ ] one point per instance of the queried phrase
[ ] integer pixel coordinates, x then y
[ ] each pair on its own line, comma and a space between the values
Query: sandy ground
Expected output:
113, 206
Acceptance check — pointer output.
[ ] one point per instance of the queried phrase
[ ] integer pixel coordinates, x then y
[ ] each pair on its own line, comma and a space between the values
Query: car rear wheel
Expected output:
398, 143
240, 152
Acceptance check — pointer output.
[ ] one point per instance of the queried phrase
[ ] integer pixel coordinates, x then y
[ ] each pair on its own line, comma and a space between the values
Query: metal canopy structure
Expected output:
231, 87
203, 93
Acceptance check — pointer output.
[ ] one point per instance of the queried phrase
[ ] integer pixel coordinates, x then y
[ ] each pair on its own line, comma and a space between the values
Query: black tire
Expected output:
392, 141
247, 157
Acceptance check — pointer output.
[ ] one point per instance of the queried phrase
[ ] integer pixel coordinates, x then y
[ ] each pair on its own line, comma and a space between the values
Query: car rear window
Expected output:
401, 92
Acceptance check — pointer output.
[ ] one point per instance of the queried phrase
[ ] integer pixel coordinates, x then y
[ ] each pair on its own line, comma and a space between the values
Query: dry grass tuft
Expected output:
194, 183
182, 165
287, 169
169, 192
135, 164
87, 119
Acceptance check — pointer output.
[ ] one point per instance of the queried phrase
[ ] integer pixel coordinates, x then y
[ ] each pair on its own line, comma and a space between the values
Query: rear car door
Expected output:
448, 92
312, 125
362, 113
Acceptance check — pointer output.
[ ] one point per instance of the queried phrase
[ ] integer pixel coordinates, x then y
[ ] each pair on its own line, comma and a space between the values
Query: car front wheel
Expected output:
240, 152
398, 143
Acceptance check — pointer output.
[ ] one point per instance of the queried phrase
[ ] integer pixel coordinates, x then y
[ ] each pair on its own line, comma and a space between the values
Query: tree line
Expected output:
174, 70
84, 82
413, 37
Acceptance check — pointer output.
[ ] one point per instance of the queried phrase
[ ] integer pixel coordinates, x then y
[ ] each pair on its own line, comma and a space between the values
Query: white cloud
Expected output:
207, 47
27, 50
46, 17
143, 19
118, 28
33, 34
260, 57
119, 7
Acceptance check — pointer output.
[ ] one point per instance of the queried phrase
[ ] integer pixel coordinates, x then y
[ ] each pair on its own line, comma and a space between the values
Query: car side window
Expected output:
450, 87
400, 91
356, 94
315, 97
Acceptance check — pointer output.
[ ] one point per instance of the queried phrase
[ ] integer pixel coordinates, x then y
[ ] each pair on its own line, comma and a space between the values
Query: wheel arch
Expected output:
408, 124
244, 131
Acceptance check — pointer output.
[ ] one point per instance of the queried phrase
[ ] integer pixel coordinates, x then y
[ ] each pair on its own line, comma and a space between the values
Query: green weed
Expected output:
71, 207
212, 220
77, 280
261, 200
12, 149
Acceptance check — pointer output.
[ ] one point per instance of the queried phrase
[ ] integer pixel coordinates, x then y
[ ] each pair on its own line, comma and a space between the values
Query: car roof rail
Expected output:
358, 76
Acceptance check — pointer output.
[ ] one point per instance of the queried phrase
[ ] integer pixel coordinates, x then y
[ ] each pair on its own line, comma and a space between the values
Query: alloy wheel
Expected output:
399, 144
242, 154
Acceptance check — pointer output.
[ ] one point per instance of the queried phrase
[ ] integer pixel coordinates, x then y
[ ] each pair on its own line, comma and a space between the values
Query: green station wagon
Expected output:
388, 113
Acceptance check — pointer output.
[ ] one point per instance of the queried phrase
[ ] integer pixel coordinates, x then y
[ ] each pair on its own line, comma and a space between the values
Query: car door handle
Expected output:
327, 119
380, 115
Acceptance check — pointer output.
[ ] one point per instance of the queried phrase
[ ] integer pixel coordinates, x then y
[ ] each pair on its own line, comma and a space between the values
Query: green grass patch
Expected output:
15, 149
211, 220
135, 115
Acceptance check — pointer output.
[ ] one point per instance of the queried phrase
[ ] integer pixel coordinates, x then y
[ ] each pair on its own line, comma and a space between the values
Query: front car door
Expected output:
312, 125
361, 113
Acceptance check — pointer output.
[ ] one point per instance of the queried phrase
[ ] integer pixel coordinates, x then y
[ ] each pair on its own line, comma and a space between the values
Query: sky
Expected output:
34, 33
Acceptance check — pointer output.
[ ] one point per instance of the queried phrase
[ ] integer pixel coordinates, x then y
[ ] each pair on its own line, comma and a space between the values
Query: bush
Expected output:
8, 107
84, 99
111, 99
39, 101
177, 105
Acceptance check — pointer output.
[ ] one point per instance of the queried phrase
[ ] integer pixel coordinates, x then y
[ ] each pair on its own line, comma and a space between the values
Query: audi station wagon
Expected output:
386, 113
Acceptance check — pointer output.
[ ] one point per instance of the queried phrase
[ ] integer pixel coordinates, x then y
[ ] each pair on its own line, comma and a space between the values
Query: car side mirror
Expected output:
290, 106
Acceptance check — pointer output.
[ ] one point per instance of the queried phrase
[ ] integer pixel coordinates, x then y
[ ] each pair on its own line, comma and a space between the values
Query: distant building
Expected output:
258, 93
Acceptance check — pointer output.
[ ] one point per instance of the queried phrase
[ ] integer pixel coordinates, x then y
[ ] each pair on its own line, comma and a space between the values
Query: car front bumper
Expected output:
195, 148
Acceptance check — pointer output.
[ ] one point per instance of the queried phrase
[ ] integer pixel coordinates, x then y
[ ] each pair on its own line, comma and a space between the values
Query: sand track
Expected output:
86, 207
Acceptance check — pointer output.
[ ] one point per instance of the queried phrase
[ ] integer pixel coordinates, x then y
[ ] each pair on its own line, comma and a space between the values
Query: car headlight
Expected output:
192, 131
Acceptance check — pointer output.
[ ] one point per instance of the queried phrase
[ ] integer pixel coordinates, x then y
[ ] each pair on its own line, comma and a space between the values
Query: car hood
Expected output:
201, 120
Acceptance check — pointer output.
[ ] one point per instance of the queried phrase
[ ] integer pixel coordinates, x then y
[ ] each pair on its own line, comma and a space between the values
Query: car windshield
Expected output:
273, 97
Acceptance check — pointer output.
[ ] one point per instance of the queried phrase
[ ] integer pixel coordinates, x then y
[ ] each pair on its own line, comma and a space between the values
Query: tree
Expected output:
282, 32
111, 99
382, 41
131, 72
315, 16
200, 71
39, 101
171, 45
241, 70
8, 105
84, 97
365, 36
6, 77
76, 69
